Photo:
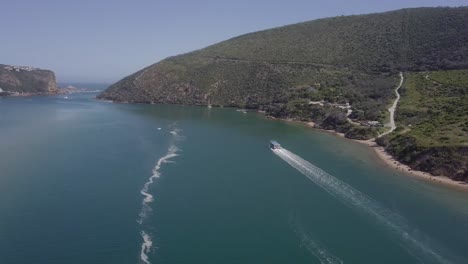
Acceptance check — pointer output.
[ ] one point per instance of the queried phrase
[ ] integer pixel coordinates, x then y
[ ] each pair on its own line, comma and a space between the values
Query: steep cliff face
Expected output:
24, 79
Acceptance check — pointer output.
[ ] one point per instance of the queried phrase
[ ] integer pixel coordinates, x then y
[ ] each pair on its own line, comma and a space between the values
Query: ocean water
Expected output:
88, 181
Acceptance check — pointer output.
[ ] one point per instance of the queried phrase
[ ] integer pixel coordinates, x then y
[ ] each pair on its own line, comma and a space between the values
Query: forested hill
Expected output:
416, 39
257, 66
339, 73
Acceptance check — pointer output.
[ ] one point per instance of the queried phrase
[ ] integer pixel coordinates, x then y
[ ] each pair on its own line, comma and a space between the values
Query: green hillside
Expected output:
258, 66
328, 71
417, 39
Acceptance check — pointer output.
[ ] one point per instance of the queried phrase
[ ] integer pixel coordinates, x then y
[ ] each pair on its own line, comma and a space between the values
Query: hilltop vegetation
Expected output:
328, 71
408, 39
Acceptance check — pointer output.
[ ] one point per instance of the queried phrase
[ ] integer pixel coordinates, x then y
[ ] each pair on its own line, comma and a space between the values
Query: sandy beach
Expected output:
388, 160
391, 162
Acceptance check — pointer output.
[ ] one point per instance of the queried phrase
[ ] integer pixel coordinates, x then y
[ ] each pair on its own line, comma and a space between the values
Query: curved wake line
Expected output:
353, 198
145, 247
147, 244
171, 152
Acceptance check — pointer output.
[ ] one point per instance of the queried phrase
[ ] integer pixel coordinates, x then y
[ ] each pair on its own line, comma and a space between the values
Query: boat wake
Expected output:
146, 247
148, 198
323, 255
416, 244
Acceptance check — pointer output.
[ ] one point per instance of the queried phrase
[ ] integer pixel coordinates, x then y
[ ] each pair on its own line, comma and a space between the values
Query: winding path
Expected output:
392, 109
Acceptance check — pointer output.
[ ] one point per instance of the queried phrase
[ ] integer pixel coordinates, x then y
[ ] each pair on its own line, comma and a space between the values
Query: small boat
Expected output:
274, 145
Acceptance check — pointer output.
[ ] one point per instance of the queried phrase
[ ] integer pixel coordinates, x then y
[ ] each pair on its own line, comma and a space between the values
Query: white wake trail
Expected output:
324, 256
148, 198
355, 199
146, 247
172, 151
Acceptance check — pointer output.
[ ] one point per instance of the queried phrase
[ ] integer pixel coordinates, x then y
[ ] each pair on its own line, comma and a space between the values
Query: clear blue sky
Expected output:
104, 40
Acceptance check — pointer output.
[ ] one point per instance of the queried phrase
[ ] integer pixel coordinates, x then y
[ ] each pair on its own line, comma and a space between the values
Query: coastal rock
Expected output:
26, 80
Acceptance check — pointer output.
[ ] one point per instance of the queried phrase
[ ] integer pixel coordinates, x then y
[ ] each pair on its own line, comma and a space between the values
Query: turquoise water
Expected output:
73, 172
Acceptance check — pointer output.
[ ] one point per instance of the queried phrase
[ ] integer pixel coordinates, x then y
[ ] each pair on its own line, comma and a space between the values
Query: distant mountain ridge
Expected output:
26, 79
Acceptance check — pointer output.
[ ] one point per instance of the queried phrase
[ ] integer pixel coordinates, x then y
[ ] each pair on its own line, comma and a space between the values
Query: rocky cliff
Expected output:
25, 79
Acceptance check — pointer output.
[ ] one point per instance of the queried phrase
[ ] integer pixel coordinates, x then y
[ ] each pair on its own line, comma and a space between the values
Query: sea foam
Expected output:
322, 254
172, 151
148, 198
146, 247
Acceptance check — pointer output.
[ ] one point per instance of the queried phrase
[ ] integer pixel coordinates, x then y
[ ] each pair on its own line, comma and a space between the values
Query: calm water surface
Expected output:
86, 181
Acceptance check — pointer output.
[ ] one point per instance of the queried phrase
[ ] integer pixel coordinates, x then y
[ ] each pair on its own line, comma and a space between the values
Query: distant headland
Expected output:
26, 80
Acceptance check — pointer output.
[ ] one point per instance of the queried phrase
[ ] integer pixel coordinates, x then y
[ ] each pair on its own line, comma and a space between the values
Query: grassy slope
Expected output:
435, 110
433, 123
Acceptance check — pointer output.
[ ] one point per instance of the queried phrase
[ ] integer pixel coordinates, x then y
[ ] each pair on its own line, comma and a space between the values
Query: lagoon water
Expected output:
87, 181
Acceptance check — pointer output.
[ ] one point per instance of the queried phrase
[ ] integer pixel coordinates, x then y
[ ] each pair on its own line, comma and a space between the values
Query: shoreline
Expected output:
28, 94
387, 160
391, 162
379, 152
60, 91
